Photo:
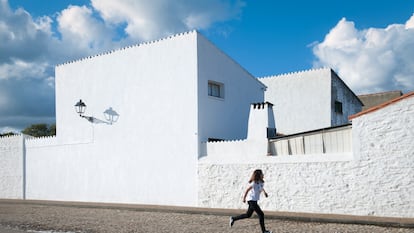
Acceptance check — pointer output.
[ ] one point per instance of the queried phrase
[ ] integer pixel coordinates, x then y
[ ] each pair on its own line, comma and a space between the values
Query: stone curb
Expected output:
292, 216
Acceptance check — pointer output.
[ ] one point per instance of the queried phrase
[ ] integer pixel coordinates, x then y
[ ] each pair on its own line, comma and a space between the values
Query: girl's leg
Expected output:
248, 214
260, 213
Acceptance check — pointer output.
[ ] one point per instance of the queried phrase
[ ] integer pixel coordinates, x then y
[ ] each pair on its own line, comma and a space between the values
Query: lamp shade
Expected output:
80, 107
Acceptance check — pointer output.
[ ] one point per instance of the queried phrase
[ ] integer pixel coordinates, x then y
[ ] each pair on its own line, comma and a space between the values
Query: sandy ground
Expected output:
22, 218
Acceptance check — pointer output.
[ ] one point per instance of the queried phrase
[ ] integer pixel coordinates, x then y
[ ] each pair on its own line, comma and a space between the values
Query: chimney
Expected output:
261, 121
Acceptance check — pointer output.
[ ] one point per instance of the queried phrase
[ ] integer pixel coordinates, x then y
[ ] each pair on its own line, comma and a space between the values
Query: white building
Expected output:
171, 97
310, 100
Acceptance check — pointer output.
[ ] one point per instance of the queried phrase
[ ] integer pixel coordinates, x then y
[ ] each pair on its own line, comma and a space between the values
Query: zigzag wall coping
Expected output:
295, 73
128, 46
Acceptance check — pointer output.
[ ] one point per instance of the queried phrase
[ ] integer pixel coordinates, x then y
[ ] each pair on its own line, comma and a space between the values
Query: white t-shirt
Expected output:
254, 193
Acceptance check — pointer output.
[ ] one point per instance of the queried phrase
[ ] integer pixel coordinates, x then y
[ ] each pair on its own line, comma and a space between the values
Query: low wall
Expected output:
12, 167
238, 150
98, 170
376, 179
355, 187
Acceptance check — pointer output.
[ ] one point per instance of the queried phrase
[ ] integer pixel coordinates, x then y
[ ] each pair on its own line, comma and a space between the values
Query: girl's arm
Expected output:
265, 193
245, 193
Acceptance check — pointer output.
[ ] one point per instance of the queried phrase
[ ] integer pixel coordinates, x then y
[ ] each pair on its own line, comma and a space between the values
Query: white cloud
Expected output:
20, 36
82, 31
146, 20
370, 60
22, 69
26, 65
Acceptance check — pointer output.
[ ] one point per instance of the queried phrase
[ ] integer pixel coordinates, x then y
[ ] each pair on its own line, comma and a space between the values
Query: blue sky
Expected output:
370, 44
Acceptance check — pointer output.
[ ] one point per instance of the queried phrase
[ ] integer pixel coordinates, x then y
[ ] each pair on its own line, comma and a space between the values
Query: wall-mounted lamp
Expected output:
80, 107
111, 116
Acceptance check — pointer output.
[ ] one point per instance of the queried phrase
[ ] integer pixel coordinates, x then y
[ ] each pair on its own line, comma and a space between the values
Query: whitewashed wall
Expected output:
248, 149
159, 90
12, 167
225, 118
376, 179
384, 138
144, 155
305, 100
302, 100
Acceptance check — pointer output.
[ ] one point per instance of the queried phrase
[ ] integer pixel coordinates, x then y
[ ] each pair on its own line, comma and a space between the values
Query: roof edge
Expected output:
384, 92
127, 47
380, 106
231, 59
346, 86
295, 72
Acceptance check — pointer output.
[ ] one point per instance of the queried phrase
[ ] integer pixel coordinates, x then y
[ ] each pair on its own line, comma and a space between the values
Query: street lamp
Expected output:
110, 115
80, 107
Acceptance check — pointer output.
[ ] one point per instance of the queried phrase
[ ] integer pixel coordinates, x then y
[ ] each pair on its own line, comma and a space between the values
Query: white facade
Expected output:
253, 147
305, 100
12, 167
224, 118
159, 90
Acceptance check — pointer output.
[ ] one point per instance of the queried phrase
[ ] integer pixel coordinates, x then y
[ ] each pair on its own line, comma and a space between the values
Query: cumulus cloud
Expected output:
82, 31
31, 47
19, 33
146, 20
26, 92
370, 60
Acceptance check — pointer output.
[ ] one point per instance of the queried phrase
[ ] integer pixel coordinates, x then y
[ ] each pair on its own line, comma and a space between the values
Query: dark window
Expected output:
215, 89
338, 107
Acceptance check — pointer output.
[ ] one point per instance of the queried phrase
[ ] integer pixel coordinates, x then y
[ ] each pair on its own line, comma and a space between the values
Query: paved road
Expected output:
29, 217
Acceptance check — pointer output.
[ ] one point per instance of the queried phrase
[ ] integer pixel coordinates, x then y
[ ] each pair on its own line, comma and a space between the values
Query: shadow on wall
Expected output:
111, 116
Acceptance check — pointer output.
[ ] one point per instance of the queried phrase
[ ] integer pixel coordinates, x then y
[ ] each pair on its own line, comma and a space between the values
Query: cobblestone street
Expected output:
19, 218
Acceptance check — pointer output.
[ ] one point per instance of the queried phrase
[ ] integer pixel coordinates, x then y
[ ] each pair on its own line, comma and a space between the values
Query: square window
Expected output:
215, 89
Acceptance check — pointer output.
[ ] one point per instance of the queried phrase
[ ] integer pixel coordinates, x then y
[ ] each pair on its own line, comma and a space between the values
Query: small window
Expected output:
215, 89
338, 107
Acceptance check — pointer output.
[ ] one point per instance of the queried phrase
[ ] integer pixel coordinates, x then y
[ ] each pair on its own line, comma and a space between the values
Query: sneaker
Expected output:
231, 222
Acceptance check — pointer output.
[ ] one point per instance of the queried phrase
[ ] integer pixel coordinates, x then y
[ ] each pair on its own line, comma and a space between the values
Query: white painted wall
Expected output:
305, 100
148, 152
256, 144
301, 101
159, 90
376, 179
225, 118
385, 138
11, 167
